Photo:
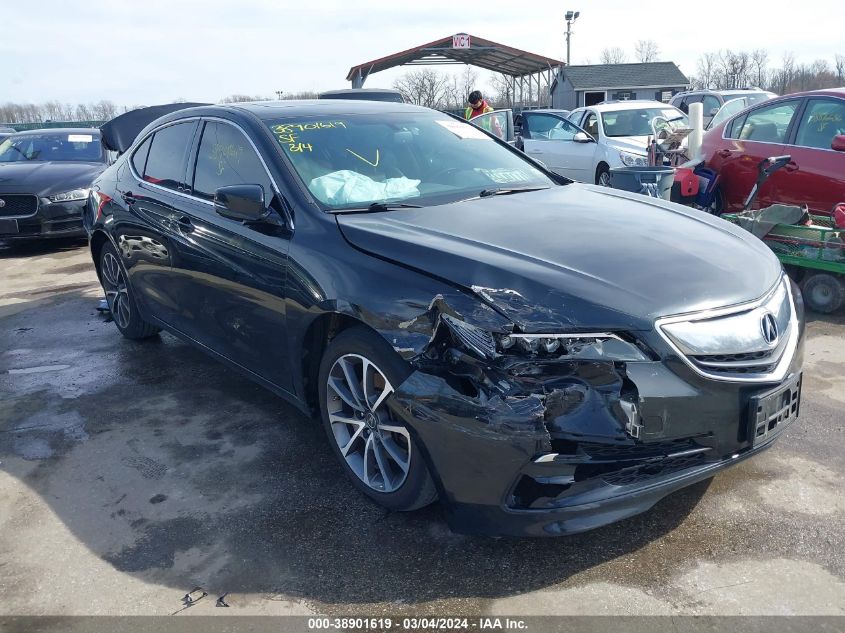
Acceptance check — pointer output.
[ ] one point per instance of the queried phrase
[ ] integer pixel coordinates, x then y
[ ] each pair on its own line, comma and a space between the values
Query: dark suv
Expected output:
542, 356
45, 177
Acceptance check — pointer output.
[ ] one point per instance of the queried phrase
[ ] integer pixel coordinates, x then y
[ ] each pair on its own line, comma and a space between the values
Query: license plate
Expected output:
771, 412
8, 226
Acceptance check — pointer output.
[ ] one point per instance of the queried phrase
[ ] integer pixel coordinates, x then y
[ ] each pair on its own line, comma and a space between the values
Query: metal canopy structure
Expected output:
521, 67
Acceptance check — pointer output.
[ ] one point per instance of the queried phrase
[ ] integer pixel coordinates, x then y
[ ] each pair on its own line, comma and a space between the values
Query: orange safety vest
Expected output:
484, 109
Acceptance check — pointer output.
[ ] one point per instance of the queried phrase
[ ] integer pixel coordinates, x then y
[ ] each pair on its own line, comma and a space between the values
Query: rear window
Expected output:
80, 146
139, 158
166, 160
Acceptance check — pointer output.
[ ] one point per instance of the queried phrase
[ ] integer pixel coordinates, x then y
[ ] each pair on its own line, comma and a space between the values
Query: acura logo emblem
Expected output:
2, 203
770, 328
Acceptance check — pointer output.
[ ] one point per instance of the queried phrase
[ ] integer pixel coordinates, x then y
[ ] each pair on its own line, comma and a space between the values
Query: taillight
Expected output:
100, 199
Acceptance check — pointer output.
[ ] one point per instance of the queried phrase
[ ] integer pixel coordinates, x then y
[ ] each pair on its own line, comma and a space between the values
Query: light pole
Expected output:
570, 17
279, 94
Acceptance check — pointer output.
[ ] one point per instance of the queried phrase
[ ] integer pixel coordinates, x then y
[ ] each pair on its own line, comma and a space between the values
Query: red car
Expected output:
809, 126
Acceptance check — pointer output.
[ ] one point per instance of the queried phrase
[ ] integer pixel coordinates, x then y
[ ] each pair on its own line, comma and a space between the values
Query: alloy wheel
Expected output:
376, 447
604, 179
117, 292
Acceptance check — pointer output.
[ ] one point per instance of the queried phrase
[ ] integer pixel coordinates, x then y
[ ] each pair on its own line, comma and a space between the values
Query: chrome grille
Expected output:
17, 205
755, 342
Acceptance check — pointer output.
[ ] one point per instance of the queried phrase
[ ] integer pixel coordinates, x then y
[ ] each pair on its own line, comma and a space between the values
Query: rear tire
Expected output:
823, 292
358, 372
120, 296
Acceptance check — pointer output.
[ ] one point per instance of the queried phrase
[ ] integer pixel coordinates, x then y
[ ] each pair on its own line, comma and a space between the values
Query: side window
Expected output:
591, 125
226, 158
166, 159
139, 158
766, 125
822, 120
733, 129
711, 105
576, 116
539, 126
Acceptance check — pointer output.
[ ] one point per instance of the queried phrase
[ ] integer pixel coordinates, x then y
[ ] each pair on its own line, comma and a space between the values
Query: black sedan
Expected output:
45, 178
542, 356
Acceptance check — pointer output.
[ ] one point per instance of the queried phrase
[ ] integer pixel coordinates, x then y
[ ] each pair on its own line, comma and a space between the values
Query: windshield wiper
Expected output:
375, 207
505, 191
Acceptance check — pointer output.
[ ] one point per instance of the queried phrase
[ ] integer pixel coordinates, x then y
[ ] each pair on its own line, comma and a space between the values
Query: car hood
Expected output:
633, 144
47, 178
575, 256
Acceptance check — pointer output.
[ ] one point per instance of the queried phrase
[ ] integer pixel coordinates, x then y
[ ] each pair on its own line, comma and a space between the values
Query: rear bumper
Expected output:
51, 220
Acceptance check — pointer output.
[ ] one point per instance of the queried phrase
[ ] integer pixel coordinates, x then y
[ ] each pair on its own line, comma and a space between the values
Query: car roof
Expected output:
321, 107
61, 130
343, 91
631, 104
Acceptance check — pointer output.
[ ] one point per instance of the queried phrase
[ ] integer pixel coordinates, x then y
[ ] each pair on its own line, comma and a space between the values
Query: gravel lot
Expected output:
133, 473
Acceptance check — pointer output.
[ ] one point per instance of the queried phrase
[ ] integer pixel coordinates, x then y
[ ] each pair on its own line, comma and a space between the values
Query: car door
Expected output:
231, 274
816, 175
499, 123
551, 139
748, 139
152, 188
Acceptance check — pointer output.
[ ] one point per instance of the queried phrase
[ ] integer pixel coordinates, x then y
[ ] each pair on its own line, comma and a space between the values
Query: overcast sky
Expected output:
155, 51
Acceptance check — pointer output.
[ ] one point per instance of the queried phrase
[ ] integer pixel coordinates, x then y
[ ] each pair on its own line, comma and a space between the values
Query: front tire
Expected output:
603, 175
358, 372
120, 297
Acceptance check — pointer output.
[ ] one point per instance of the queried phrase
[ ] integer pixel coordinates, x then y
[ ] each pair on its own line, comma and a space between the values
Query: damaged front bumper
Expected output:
571, 446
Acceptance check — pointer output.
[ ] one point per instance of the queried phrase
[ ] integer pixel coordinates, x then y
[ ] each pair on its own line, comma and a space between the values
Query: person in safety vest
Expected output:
477, 107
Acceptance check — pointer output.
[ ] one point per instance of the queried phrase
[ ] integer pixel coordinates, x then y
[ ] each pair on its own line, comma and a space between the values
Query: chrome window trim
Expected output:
782, 365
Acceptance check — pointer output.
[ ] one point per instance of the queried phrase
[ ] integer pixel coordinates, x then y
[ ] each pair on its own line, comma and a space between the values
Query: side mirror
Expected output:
582, 137
244, 203
838, 143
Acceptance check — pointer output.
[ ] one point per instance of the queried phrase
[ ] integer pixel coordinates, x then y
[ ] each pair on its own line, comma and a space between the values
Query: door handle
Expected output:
791, 166
185, 223
724, 153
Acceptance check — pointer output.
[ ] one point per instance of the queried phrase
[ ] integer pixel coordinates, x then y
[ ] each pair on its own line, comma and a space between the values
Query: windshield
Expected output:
639, 122
51, 147
420, 158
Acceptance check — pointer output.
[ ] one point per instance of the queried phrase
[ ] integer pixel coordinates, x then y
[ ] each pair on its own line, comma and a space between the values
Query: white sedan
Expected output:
590, 141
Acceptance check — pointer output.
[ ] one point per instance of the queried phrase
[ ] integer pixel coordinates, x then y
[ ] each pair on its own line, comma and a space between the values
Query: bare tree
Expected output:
613, 55
424, 87
759, 60
839, 63
646, 51
706, 70
238, 98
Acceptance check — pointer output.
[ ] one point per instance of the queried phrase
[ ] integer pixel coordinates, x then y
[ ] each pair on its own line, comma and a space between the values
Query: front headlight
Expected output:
603, 346
577, 346
633, 160
69, 196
